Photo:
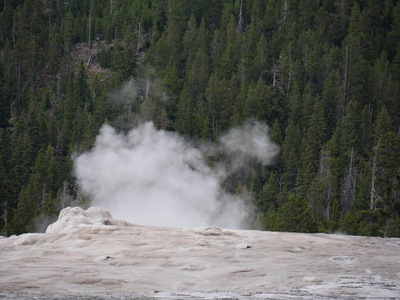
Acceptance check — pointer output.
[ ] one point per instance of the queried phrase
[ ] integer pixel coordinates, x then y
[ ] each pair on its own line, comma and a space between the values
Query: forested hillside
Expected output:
323, 74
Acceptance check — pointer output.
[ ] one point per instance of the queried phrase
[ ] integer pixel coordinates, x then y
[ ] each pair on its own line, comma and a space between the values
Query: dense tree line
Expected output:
323, 74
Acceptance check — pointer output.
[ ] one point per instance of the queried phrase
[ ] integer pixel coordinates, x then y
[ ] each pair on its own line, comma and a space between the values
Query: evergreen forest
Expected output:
324, 75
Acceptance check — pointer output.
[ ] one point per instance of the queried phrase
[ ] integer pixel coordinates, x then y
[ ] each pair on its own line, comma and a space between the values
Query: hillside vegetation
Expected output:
323, 74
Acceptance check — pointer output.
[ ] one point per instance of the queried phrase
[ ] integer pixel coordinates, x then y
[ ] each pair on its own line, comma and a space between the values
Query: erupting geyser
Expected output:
155, 177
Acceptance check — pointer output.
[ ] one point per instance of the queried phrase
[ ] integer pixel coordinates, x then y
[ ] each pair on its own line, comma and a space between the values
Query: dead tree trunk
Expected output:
290, 73
285, 10
273, 72
148, 85
240, 24
373, 177
345, 83
14, 30
348, 188
90, 25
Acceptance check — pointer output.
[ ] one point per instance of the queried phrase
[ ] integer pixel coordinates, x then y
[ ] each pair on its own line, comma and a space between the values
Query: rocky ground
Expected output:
89, 255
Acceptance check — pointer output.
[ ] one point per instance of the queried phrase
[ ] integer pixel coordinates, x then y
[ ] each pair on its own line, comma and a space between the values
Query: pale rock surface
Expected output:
89, 255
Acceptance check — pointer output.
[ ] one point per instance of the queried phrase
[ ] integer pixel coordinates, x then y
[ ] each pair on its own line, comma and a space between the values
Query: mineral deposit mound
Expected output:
89, 255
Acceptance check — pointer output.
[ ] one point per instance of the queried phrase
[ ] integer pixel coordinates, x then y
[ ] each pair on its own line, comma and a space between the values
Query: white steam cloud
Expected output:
246, 143
155, 177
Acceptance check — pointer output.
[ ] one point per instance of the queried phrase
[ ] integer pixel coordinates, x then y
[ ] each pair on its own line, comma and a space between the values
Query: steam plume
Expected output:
155, 177
246, 143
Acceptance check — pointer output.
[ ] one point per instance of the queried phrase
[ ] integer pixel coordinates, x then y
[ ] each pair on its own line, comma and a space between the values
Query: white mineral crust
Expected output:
89, 253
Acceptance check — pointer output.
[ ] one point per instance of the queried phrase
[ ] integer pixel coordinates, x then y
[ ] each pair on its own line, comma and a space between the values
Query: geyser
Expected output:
155, 177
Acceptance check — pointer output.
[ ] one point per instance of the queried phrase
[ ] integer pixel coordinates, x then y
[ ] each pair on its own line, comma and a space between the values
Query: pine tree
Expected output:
185, 112
55, 49
5, 196
214, 94
348, 193
260, 63
50, 205
230, 57
365, 131
269, 193
79, 123
228, 106
68, 110
4, 101
331, 99
293, 216
314, 138
189, 38
252, 102
124, 54
69, 37
82, 89
276, 135
356, 69
38, 191
21, 157
295, 105
291, 156
172, 81
384, 179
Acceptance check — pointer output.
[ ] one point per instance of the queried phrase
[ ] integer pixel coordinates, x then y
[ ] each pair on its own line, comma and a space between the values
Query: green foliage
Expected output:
5, 195
294, 216
324, 75
104, 57
269, 193
4, 103
123, 58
